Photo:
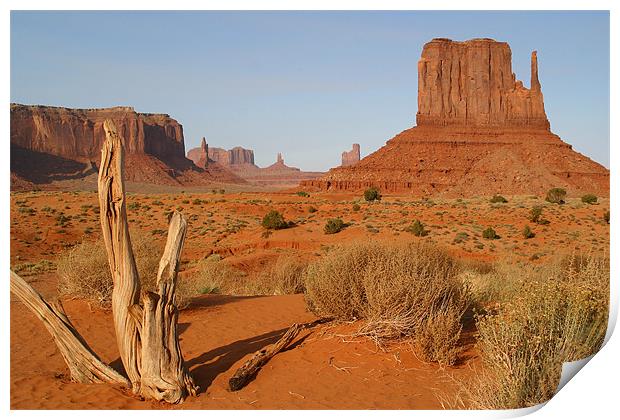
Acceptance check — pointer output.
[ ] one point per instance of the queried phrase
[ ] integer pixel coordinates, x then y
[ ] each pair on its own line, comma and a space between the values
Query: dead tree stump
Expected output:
147, 335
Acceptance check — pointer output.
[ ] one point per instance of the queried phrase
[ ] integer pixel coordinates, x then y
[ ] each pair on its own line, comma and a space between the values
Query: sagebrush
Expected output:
400, 291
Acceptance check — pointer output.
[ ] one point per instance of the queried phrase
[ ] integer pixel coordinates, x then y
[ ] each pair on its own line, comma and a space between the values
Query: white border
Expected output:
592, 394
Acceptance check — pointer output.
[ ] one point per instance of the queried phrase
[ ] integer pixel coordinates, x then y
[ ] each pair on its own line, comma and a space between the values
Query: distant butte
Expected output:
240, 161
352, 156
479, 131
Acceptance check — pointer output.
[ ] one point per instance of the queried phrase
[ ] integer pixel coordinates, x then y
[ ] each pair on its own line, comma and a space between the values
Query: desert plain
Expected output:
219, 332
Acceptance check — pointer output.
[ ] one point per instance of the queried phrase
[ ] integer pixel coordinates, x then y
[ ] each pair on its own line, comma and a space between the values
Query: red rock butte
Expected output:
479, 131
54, 143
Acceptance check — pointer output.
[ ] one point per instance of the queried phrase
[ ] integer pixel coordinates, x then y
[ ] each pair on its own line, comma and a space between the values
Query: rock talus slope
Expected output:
479, 131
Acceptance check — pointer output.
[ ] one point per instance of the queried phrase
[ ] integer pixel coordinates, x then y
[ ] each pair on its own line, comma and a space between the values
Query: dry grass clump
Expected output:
284, 277
213, 275
558, 314
84, 272
400, 290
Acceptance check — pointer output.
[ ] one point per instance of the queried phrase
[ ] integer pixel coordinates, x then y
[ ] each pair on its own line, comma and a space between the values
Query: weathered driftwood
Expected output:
147, 335
113, 216
246, 372
163, 371
84, 365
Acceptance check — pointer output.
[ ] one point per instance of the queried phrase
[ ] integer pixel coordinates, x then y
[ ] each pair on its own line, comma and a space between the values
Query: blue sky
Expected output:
307, 84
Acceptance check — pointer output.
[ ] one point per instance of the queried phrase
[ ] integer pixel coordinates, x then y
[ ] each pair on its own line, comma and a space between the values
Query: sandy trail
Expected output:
322, 369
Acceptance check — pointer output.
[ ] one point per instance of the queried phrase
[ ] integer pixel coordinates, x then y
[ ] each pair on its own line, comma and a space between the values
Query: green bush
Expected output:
498, 199
417, 228
527, 232
274, 220
303, 194
356, 207
589, 199
334, 226
556, 195
372, 194
535, 214
489, 233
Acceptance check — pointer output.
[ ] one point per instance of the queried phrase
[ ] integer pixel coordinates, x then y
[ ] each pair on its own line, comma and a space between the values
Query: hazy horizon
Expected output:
306, 84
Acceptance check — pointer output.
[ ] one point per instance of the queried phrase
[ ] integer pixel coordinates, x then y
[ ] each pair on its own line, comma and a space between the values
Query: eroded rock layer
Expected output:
471, 83
54, 144
352, 156
469, 162
479, 131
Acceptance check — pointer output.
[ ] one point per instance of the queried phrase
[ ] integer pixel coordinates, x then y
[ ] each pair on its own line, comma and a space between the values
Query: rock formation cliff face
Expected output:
240, 161
78, 133
479, 131
235, 156
200, 155
351, 157
471, 83
53, 143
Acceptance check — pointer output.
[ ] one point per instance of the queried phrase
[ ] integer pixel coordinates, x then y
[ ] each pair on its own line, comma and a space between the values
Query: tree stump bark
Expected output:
84, 365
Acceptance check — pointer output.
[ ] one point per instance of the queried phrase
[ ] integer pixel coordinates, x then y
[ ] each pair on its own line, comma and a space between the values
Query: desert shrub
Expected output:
461, 237
606, 216
535, 214
556, 195
84, 272
356, 207
312, 209
489, 233
490, 284
527, 232
211, 275
27, 210
589, 199
274, 220
334, 226
372, 194
303, 194
498, 199
399, 290
134, 205
62, 220
558, 315
31, 269
214, 275
417, 229
284, 277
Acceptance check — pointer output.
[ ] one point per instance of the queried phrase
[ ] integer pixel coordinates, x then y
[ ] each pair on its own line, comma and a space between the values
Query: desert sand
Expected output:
218, 333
